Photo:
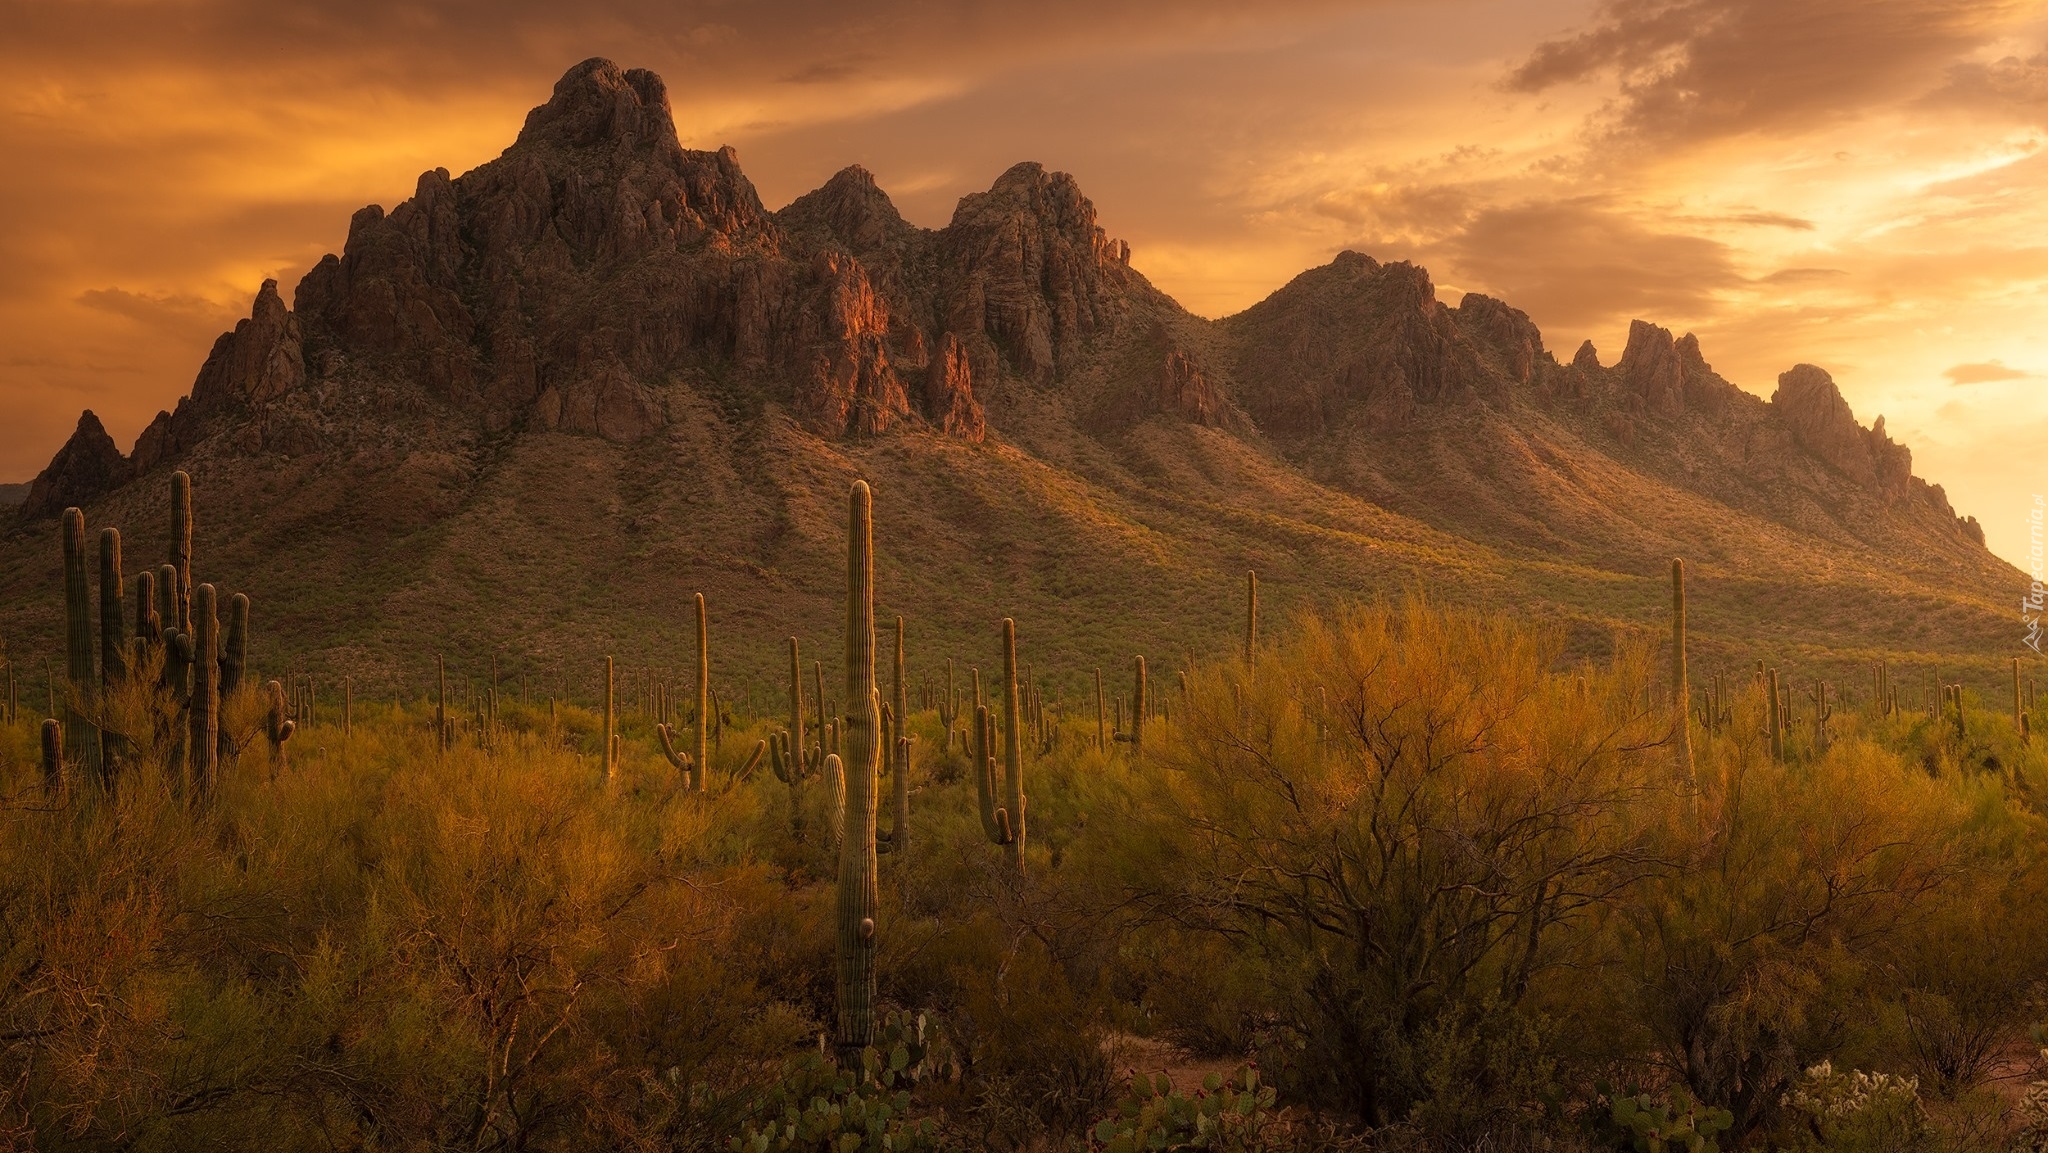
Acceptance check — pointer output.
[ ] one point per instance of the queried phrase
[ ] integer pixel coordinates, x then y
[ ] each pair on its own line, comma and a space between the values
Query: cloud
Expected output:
1752, 219
1585, 261
1797, 276
1985, 373
2012, 85
1704, 69
175, 311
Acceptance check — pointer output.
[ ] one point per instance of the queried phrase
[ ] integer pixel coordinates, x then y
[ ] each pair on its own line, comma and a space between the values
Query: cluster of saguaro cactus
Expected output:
1952, 709
1884, 698
177, 626
1715, 711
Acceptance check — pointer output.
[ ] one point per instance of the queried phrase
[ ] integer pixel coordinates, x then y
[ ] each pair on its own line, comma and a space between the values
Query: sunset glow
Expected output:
1855, 183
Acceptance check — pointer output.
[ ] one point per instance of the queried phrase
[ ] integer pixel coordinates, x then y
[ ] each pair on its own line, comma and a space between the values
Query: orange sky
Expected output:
1856, 183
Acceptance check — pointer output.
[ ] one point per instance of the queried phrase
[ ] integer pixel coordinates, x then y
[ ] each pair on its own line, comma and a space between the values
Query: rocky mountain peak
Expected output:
1029, 274
259, 361
1811, 405
598, 103
88, 467
850, 210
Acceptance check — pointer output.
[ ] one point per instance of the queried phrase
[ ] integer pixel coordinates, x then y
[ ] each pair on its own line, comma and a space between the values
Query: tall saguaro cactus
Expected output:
1139, 706
113, 613
202, 748
796, 709
1013, 748
899, 757
234, 650
80, 738
181, 545
860, 740
1681, 687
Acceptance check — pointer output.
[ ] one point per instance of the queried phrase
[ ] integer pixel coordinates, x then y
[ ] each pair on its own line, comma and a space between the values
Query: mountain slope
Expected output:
532, 408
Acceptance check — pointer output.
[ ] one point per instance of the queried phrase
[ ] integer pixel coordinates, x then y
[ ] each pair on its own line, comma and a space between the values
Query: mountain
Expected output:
531, 409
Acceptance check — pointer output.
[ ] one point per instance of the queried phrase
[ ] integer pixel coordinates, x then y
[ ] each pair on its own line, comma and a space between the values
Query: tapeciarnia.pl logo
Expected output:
2030, 608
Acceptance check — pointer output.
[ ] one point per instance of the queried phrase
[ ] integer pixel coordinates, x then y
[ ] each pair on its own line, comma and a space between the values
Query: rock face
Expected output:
1027, 275
88, 467
1812, 407
1359, 340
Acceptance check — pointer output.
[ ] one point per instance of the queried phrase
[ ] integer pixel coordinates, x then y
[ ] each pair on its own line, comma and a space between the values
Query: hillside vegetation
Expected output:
1397, 875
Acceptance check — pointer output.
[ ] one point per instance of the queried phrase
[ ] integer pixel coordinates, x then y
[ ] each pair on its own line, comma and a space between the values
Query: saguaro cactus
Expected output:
440, 703
202, 747
899, 757
1777, 717
1139, 707
1101, 720
788, 767
611, 742
1823, 712
2019, 711
705, 718
796, 713
234, 649
53, 755
277, 726
855, 1023
79, 735
1013, 748
177, 635
1681, 686
1251, 617
181, 546
113, 614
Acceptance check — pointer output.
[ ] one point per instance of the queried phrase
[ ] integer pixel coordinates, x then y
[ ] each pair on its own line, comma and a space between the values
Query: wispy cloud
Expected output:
1987, 372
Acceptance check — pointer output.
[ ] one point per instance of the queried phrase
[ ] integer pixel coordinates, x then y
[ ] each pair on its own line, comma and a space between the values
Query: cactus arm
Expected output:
752, 762
682, 761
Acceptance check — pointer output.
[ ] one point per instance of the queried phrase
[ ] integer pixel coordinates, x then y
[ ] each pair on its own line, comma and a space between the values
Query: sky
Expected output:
1858, 184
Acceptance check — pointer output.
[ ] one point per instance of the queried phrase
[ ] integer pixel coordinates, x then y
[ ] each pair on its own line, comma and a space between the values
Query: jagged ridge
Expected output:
599, 279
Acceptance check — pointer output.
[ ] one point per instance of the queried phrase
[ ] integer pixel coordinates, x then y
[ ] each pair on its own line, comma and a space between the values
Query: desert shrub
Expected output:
1396, 812
1748, 959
